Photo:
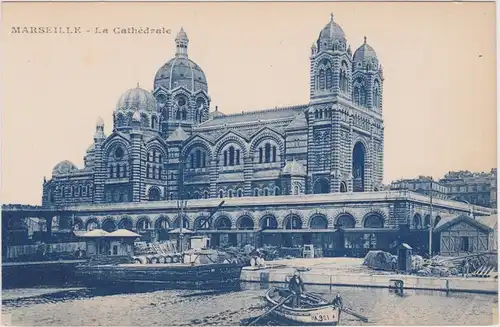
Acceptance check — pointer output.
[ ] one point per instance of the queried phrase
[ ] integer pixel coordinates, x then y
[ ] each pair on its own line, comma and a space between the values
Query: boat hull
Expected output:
321, 315
162, 275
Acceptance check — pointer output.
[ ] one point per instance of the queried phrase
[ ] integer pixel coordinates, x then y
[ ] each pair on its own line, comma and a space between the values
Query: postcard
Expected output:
249, 163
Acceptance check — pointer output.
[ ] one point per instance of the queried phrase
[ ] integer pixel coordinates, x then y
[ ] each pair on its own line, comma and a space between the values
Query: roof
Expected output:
178, 135
283, 113
490, 221
136, 99
178, 231
64, 167
123, 233
96, 233
447, 222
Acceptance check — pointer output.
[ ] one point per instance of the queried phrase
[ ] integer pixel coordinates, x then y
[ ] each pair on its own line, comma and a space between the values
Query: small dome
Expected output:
294, 168
100, 121
64, 167
365, 55
136, 99
331, 34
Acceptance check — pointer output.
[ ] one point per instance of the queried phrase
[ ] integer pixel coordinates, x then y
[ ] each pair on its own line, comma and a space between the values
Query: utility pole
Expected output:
181, 205
430, 223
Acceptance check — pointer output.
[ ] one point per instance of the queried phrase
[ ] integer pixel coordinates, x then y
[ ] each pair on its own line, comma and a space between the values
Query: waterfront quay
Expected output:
379, 218
335, 272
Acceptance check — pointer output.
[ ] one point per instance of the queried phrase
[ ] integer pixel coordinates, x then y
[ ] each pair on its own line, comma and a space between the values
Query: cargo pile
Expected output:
380, 260
477, 265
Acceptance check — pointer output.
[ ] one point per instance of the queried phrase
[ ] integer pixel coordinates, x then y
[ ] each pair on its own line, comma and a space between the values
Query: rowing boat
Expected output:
313, 311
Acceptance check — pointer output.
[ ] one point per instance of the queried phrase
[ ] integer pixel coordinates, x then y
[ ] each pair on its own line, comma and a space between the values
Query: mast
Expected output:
430, 222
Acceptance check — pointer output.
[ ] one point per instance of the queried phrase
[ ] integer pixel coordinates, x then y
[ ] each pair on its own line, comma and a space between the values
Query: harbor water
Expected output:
91, 307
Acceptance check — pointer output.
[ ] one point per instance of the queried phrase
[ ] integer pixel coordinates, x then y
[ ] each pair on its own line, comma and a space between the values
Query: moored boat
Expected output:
313, 311
201, 269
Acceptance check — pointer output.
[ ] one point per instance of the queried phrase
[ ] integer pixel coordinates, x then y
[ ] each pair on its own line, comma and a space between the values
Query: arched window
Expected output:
376, 94
237, 156
205, 194
329, 78
118, 170
322, 79
225, 158
266, 192
296, 190
171, 196
267, 152
184, 114
240, 193
277, 191
231, 156
356, 96
172, 176
159, 173
192, 160
198, 158
147, 171
230, 193
154, 120
256, 192
274, 154
204, 160
221, 194
178, 114
260, 155
363, 96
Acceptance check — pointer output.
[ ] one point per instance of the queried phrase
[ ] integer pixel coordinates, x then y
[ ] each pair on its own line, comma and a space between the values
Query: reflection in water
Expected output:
147, 307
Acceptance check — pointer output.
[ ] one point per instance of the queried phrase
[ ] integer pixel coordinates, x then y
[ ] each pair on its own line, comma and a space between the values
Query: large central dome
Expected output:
180, 70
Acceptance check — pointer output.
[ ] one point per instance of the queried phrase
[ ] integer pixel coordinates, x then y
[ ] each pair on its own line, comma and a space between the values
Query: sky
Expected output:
439, 63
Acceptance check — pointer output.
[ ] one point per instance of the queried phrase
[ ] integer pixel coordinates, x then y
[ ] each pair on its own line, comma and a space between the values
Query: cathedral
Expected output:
167, 144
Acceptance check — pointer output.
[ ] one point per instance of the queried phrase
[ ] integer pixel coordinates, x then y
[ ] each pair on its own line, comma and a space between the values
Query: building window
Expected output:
329, 76
256, 192
230, 193
260, 155
276, 191
267, 152
225, 158
221, 194
464, 244
231, 156
198, 158
237, 157
274, 154
240, 193
322, 79
205, 194
266, 192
